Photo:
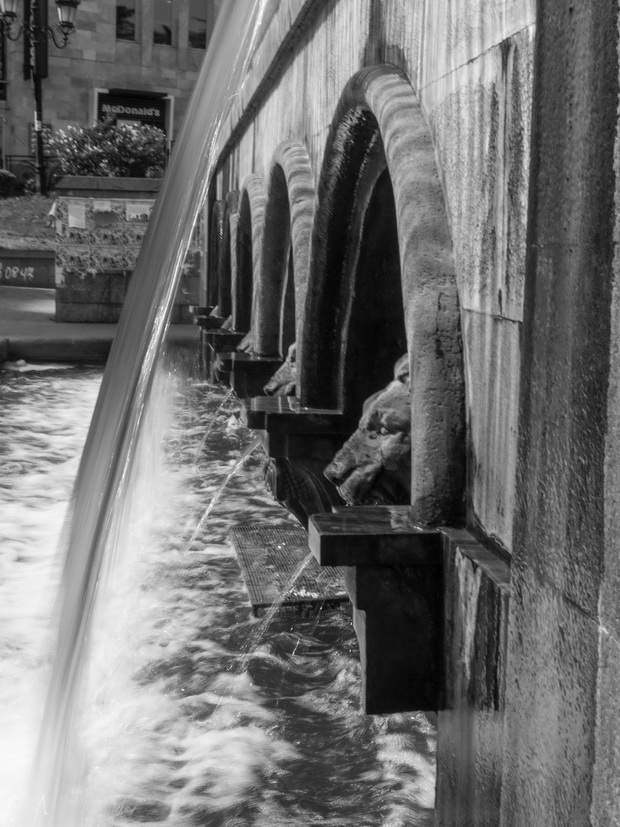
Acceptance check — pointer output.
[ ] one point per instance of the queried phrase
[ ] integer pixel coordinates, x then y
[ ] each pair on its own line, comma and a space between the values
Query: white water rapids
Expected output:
180, 721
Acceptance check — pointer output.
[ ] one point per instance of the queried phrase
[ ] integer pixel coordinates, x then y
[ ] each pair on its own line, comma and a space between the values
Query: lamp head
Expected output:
8, 10
67, 10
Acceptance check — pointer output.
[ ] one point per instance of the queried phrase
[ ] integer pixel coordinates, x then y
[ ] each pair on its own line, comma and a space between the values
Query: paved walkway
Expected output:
28, 331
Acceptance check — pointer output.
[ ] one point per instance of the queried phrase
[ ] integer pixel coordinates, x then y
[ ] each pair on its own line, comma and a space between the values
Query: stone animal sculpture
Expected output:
373, 467
284, 380
300, 487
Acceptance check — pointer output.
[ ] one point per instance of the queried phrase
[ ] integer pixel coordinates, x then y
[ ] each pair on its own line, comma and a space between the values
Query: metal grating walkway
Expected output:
269, 557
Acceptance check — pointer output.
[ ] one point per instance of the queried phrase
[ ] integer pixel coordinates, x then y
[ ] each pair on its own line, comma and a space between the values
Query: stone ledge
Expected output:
284, 414
85, 186
400, 577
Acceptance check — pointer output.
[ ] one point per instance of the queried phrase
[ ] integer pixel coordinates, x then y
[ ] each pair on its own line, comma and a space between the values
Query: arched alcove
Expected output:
218, 285
288, 308
376, 336
379, 176
286, 249
248, 244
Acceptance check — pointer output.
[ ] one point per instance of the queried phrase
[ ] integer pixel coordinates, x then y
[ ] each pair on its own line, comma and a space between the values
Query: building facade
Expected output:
137, 61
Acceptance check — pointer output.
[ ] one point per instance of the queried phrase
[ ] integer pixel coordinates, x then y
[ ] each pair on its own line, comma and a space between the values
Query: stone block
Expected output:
284, 414
85, 288
471, 724
551, 715
87, 312
492, 404
27, 268
119, 282
393, 575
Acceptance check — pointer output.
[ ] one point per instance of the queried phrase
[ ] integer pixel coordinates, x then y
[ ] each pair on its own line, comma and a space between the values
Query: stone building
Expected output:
136, 60
438, 178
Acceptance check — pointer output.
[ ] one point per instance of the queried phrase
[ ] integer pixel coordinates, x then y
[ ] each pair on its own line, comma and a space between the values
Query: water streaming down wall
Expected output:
107, 457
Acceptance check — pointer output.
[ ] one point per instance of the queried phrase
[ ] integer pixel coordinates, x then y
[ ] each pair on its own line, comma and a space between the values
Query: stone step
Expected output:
269, 555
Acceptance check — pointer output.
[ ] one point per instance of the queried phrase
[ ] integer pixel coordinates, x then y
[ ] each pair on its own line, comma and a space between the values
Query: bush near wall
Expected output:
110, 149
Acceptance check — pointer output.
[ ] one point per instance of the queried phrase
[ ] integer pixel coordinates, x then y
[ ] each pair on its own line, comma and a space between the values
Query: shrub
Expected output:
110, 149
9, 185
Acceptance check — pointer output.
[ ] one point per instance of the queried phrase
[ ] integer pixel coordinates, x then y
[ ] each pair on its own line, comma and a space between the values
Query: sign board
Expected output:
129, 106
32, 138
138, 210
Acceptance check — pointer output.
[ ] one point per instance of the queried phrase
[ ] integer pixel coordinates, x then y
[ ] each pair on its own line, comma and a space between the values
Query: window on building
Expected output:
126, 20
162, 28
197, 34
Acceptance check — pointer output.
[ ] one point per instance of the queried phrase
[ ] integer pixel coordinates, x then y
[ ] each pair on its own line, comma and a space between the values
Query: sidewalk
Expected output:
28, 331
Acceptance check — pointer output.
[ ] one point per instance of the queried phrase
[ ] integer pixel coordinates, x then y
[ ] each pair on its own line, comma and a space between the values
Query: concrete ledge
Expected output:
77, 351
28, 331
84, 186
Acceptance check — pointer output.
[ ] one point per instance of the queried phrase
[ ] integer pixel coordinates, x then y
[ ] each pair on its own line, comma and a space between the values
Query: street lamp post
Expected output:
37, 32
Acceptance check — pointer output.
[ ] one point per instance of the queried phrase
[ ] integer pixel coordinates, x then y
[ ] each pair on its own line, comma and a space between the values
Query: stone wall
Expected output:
100, 226
529, 733
563, 666
471, 67
27, 268
456, 76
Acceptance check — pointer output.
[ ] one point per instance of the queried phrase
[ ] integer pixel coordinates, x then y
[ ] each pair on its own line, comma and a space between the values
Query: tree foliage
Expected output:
111, 149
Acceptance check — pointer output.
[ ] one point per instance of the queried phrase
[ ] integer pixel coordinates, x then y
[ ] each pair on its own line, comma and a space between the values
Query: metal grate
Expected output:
270, 555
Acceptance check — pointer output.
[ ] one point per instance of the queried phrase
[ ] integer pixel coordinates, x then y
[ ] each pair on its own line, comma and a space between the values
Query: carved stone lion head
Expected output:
284, 380
374, 465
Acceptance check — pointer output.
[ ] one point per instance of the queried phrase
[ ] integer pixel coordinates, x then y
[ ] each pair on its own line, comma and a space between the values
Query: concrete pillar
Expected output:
554, 705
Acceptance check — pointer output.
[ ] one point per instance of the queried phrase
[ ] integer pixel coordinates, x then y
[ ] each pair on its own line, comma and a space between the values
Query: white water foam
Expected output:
40, 444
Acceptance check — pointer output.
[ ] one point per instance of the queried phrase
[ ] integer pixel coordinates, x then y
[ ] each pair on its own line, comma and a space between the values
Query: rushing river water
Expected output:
186, 716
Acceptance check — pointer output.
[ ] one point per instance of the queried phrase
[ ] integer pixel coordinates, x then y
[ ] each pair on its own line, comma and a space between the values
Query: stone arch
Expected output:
378, 127
218, 287
248, 245
285, 259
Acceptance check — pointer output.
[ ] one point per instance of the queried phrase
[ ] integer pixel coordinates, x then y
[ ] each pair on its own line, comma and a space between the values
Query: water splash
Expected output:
222, 487
101, 485
275, 607
212, 424
171, 730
